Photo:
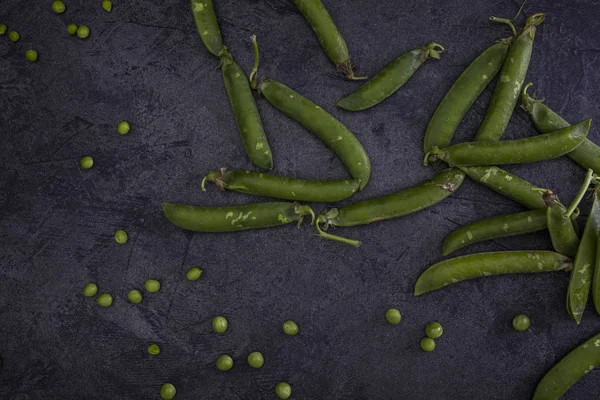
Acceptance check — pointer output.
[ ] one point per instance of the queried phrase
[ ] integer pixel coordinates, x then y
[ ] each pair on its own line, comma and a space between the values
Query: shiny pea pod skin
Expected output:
245, 111
404, 202
208, 26
512, 77
529, 150
233, 218
494, 228
322, 124
562, 232
281, 187
463, 93
388, 80
569, 370
472, 266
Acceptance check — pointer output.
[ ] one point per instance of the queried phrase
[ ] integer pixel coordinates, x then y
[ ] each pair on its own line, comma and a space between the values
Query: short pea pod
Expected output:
528, 150
510, 81
281, 187
234, 218
569, 370
545, 120
207, 26
472, 266
389, 79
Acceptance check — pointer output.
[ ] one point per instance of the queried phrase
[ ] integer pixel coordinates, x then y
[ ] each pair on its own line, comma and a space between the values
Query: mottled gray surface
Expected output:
145, 63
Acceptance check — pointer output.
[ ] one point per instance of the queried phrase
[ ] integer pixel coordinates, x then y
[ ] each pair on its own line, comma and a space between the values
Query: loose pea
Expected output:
152, 285
153, 349
427, 344
283, 390
393, 316
219, 324
256, 359
83, 32
194, 274
135, 296
123, 128
107, 5
90, 289
224, 363
58, 7
72, 29
3, 29
521, 322
87, 162
31, 55
290, 328
434, 330
104, 300
167, 391
121, 236
14, 36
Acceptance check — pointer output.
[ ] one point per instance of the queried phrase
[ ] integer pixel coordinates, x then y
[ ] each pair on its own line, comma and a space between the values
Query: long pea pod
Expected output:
207, 26
472, 266
389, 79
569, 370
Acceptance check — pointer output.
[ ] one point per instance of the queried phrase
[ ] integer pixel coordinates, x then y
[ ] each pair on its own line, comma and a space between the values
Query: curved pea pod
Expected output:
331, 131
282, 187
519, 151
510, 81
403, 202
389, 79
472, 266
569, 370
207, 25
495, 228
562, 231
545, 120
234, 218
245, 111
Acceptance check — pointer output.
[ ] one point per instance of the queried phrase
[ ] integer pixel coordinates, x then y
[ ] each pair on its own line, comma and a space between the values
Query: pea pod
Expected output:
282, 187
569, 370
528, 150
389, 79
463, 93
472, 266
207, 26
511, 79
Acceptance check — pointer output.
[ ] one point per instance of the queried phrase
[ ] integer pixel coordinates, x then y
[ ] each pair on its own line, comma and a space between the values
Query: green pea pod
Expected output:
509, 84
494, 228
245, 111
463, 93
389, 79
234, 218
282, 187
545, 120
596, 281
207, 25
562, 232
472, 266
569, 370
519, 151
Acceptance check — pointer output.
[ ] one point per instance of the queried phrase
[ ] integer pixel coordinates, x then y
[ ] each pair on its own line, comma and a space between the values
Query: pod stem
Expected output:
432, 156
252, 77
305, 210
505, 21
335, 238
431, 48
346, 69
581, 193
216, 177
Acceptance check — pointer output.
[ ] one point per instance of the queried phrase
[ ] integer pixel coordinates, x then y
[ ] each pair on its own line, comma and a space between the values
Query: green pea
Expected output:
219, 324
283, 390
83, 32
521, 322
31, 55
3, 29
290, 328
14, 36
427, 344
194, 274
104, 300
123, 128
107, 5
152, 285
71, 29
153, 349
90, 289
434, 330
86, 162
121, 236
58, 7
167, 391
256, 360
393, 316
224, 363
135, 296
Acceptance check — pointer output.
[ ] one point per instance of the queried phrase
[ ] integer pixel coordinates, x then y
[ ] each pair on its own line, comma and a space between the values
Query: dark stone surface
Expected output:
145, 63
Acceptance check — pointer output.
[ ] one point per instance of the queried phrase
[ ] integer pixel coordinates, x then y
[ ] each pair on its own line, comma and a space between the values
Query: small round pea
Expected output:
167, 391
121, 236
135, 296
31, 55
283, 390
152, 285
219, 324
107, 5
3, 29
72, 29
83, 32
153, 349
521, 322
194, 274
90, 289
123, 128
427, 344
434, 330
14, 36
104, 300
58, 6
290, 328
224, 363
393, 316
256, 359
87, 162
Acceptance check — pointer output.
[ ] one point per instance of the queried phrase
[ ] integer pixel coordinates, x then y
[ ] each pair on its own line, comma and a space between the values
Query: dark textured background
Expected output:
145, 63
